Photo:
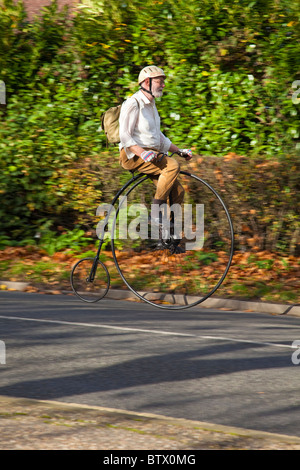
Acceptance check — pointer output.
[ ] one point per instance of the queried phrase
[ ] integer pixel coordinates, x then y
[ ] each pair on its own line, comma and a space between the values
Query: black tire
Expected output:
90, 291
154, 274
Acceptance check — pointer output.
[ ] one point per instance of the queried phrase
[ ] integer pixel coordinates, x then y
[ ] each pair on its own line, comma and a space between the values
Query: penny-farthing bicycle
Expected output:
147, 258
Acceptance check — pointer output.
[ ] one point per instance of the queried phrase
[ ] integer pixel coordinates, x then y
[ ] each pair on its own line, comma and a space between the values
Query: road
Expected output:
228, 368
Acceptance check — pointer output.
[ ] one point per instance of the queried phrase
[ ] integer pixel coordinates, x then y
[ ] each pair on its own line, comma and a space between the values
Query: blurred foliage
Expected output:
231, 66
262, 197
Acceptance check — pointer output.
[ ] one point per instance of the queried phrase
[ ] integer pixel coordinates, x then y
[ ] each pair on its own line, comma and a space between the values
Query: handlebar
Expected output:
180, 154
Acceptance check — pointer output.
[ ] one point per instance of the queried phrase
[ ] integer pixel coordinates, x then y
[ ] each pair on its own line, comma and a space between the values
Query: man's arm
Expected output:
173, 148
137, 150
167, 145
127, 121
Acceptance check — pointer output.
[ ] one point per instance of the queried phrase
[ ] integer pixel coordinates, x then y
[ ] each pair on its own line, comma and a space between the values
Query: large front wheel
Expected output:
149, 262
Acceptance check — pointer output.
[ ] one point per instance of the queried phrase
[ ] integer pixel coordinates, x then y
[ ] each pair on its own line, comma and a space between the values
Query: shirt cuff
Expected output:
128, 143
165, 144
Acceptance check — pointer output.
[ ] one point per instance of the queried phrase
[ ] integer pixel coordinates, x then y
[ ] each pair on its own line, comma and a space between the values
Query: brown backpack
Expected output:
110, 124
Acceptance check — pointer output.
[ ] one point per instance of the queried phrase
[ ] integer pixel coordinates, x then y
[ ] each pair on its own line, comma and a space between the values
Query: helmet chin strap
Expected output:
150, 88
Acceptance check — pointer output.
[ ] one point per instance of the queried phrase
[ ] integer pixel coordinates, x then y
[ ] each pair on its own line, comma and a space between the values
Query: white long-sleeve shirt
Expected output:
140, 125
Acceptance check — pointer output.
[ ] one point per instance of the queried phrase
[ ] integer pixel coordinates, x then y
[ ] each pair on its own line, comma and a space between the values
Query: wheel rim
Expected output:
176, 282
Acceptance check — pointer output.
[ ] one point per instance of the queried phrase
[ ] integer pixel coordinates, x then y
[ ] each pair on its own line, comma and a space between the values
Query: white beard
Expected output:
157, 94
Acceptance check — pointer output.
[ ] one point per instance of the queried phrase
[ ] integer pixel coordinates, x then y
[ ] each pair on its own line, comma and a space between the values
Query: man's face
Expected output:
158, 85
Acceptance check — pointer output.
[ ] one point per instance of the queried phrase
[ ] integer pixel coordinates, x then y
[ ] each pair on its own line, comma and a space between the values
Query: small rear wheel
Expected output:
90, 279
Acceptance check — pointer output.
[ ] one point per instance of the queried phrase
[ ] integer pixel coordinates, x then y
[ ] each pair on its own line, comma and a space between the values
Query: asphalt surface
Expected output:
233, 370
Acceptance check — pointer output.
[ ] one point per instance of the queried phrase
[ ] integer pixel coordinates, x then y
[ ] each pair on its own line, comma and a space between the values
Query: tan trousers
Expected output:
163, 174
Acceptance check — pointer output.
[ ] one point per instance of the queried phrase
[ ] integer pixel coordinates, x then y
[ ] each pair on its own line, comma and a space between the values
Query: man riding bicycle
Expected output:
141, 140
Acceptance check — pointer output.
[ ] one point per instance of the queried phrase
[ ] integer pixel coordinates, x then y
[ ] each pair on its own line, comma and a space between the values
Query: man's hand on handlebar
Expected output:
186, 153
150, 156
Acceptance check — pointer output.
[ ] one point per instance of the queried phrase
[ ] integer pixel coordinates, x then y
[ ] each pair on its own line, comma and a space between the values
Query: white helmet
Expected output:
151, 71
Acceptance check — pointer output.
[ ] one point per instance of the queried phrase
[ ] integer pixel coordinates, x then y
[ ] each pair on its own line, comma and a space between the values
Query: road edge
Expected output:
201, 425
210, 303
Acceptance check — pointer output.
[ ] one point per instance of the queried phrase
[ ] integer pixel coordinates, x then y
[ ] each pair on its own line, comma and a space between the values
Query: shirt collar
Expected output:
143, 97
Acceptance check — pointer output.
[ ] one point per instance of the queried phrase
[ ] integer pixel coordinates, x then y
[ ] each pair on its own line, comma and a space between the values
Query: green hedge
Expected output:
231, 66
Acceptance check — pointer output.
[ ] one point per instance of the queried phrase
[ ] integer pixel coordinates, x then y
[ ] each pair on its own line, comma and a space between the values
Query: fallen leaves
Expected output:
251, 272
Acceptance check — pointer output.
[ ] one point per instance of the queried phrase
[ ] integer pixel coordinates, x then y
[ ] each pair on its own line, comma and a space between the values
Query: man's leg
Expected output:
164, 174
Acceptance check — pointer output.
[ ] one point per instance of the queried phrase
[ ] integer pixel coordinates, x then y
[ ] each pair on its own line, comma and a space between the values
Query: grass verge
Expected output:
253, 276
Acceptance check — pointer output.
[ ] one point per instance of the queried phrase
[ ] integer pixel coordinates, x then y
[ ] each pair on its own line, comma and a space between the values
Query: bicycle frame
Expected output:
134, 181
134, 178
